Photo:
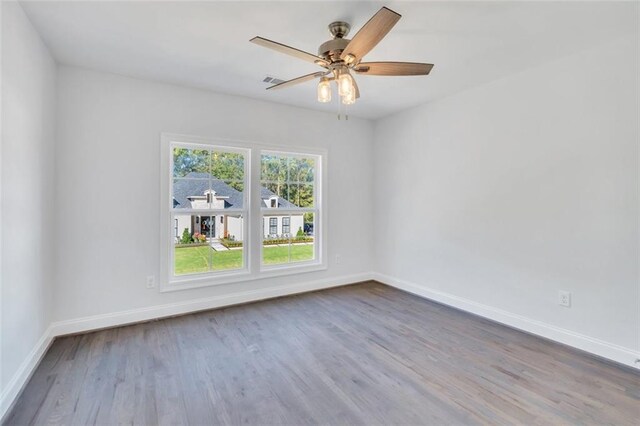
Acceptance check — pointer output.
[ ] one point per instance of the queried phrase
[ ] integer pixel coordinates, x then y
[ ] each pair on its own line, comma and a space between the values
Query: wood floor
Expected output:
363, 354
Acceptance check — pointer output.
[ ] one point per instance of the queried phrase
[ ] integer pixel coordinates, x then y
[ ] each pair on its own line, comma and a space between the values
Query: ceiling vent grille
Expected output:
272, 80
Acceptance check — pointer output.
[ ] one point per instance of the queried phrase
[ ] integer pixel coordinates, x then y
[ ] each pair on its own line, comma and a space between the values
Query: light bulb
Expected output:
345, 84
349, 98
324, 90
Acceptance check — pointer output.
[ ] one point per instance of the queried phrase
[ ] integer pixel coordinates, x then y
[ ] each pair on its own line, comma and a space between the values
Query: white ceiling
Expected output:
206, 44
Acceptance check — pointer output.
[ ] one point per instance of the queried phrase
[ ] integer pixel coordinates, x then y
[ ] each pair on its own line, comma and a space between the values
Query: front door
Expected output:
208, 226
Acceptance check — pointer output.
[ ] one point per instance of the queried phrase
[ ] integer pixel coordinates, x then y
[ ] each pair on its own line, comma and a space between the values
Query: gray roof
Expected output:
196, 184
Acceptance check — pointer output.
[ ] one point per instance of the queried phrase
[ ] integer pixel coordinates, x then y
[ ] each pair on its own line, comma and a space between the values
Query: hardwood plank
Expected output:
362, 354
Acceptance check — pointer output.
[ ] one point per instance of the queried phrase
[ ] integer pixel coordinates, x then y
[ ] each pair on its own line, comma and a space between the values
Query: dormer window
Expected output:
273, 202
209, 194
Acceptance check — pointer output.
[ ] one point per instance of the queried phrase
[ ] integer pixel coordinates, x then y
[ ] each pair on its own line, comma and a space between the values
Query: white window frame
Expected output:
252, 212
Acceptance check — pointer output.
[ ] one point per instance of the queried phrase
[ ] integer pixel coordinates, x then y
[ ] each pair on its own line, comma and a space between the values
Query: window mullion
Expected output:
255, 217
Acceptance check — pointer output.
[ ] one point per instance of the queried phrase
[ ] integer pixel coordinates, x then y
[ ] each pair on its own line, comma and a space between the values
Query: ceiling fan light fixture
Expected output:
340, 55
349, 98
345, 83
324, 90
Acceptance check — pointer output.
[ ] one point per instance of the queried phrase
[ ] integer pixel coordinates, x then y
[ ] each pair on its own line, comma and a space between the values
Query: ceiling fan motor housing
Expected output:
332, 49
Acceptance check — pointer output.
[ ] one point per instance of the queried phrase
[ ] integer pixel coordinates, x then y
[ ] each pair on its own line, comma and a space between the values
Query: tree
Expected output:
226, 166
288, 177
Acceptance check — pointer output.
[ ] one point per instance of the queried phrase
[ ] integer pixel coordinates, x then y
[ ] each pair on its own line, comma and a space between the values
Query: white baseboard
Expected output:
22, 376
96, 322
597, 347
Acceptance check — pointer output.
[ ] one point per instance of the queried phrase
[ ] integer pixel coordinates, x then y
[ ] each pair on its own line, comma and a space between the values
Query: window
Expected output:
292, 178
207, 181
269, 220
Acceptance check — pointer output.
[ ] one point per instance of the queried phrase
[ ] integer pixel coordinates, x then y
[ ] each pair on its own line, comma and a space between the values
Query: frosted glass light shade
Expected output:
324, 90
349, 98
345, 84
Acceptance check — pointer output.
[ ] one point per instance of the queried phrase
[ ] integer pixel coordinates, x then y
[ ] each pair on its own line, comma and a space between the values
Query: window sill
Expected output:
240, 276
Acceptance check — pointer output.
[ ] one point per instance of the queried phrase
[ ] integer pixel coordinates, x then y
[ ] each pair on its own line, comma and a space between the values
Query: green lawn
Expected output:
189, 260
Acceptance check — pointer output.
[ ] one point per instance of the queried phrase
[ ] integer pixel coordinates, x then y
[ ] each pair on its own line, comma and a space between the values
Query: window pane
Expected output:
300, 170
190, 193
226, 195
192, 252
205, 243
273, 168
227, 179
228, 244
300, 195
229, 168
208, 179
287, 181
281, 247
305, 240
190, 161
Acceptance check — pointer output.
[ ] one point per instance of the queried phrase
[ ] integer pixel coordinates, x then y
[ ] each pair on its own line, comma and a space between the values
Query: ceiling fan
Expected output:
340, 57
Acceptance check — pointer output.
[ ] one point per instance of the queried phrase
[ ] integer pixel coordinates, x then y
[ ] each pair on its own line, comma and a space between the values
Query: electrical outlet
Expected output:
151, 281
564, 298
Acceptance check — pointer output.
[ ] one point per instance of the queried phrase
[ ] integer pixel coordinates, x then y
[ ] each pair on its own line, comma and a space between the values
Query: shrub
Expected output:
274, 241
186, 237
300, 232
230, 243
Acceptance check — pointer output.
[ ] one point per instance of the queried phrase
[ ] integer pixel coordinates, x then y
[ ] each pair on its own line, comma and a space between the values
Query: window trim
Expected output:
252, 209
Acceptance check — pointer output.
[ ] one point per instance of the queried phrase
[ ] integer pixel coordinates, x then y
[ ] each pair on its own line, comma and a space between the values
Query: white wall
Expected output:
108, 151
514, 190
28, 129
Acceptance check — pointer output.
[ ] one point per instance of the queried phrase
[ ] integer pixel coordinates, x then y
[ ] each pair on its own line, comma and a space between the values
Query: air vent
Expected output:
272, 80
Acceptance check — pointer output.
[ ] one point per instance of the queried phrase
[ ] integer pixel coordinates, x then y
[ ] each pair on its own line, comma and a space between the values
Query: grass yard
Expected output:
189, 260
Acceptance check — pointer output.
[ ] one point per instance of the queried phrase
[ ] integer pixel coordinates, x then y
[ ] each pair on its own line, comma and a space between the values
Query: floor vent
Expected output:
272, 80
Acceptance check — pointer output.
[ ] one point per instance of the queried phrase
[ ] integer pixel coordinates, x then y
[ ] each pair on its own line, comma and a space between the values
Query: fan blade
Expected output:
392, 68
298, 80
371, 33
288, 50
